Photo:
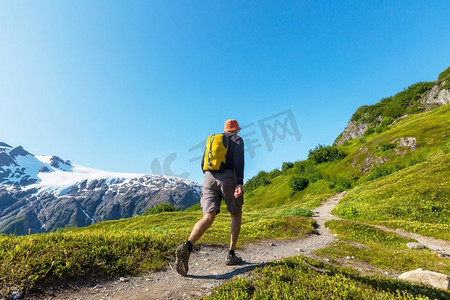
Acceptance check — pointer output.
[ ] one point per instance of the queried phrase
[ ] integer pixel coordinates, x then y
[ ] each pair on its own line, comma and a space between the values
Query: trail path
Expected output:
207, 268
428, 242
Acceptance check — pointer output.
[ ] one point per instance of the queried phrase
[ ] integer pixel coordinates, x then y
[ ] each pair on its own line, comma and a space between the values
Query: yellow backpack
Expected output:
216, 152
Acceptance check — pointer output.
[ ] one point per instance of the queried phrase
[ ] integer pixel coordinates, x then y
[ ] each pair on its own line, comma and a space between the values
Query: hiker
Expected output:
225, 183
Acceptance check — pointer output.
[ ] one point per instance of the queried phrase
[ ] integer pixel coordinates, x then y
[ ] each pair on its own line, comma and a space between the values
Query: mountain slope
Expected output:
42, 193
419, 97
398, 159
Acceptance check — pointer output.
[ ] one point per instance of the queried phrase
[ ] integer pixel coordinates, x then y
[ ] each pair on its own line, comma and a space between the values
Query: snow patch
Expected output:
87, 215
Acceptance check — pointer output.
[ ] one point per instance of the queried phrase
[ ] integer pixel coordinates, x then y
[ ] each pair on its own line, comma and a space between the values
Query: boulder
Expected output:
437, 248
415, 246
434, 279
437, 95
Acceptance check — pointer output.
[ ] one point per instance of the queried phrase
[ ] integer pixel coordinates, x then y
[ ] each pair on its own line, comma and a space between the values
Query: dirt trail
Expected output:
428, 242
206, 268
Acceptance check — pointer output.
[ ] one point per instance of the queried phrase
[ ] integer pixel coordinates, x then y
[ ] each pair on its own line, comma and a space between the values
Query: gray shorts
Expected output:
218, 186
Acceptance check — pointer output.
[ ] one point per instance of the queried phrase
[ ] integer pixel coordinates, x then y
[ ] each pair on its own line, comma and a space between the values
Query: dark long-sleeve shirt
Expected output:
235, 156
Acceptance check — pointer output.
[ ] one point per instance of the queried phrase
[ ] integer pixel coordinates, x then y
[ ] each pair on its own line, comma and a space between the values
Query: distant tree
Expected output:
286, 166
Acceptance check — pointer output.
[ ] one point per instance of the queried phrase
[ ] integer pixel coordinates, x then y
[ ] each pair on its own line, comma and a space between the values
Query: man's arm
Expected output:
238, 163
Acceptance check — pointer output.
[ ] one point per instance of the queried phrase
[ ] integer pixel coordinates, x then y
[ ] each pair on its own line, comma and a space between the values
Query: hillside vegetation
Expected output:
305, 278
128, 246
398, 185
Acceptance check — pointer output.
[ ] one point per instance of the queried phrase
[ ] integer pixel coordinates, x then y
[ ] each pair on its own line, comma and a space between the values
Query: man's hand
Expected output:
238, 191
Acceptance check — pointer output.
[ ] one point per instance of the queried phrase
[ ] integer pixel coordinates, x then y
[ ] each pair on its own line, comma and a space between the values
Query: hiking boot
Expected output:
233, 260
182, 258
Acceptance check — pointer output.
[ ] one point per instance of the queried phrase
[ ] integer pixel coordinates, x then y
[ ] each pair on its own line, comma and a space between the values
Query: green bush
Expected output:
263, 178
297, 211
322, 154
307, 170
286, 166
369, 131
298, 183
340, 183
159, 208
445, 76
387, 146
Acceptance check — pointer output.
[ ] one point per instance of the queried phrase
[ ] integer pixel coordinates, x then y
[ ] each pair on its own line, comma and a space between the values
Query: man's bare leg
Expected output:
201, 226
235, 229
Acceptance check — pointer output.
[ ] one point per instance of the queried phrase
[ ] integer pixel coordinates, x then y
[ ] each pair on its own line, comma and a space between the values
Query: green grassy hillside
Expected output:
416, 199
376, 167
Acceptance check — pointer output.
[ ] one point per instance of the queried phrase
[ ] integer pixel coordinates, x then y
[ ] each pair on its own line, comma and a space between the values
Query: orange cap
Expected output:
231, 125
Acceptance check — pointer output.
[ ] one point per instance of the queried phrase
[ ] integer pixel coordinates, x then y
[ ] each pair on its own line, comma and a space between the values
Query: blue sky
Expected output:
115, 85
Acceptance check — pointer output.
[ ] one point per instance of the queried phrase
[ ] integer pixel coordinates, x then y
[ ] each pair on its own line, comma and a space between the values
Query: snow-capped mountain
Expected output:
42, 193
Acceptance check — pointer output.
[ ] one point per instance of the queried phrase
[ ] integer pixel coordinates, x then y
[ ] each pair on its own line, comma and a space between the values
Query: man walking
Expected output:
218, 185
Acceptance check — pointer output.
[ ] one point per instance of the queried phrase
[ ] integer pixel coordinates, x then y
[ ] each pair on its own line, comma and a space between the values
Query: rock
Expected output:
437, 95
434, 279
405, 143
367, 165
415, 246
44, 169
352, 131
436, 248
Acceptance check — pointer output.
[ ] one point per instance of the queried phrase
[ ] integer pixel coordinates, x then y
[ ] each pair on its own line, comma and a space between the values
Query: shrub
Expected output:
387, 146
261, 179
405, 102
307, 170
297, 211
159, 208
286, 166
369, 131
341, 183
298, 183
322, 154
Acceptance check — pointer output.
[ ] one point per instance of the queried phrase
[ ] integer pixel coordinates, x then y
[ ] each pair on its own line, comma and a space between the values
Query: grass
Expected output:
129, 246
305, 278
415, 198
379, 248
27, 260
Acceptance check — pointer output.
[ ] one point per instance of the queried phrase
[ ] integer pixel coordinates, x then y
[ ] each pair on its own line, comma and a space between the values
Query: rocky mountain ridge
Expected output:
422, 97
42, 193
